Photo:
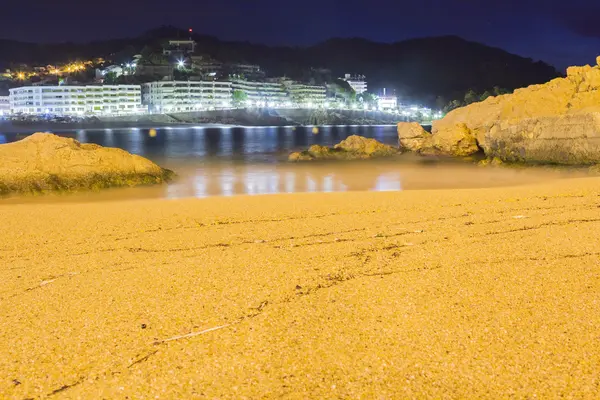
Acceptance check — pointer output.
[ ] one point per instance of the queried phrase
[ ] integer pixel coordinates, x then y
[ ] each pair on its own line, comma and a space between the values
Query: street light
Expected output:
181, 63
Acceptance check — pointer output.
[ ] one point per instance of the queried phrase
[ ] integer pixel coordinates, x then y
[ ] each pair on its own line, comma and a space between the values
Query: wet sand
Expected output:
486, 293
406, 172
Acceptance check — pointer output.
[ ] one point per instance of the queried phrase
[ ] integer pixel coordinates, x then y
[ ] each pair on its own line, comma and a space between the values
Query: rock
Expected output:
366, 147
490, 161
300, 156
412, 136
458, 141
354, 147
497, 161
45, 162
318, 151
557, 122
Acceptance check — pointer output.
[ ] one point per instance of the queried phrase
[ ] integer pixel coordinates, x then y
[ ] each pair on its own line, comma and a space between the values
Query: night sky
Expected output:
559, 32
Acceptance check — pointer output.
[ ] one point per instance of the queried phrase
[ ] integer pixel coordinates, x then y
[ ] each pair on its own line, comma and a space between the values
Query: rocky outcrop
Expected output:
45, 162
412, 136
352, 148
490, 161
458, 142
557, 122
364, 146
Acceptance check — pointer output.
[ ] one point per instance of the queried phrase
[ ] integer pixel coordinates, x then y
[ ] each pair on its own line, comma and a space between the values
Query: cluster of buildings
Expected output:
47, 72
160, 97
208, 85
171, 96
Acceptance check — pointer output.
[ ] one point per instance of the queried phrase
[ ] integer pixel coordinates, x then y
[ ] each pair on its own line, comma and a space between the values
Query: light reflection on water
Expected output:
232, 161
229, 180
256, 144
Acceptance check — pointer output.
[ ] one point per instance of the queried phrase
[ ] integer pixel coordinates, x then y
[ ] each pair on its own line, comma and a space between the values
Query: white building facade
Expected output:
387, 103
270, 94
356, 82
77, 100
182, 96
307, 95
4, 105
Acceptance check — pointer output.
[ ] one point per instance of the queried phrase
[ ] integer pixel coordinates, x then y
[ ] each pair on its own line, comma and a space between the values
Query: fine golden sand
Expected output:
487, 293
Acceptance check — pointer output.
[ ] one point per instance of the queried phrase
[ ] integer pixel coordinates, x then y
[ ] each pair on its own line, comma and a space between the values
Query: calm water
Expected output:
229, 161
249, 145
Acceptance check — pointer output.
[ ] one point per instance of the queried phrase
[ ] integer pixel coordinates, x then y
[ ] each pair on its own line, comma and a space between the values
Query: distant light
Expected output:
190, 30
181, 63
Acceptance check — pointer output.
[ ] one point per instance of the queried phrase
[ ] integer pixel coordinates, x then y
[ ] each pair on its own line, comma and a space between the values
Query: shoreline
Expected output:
59, 127
226, 118
242, 296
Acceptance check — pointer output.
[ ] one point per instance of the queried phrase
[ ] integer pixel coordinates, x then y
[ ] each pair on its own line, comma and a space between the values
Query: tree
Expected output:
110, 78
239, 97
124, 56
368, 98
181, 74
485, 95
440, 102
452, 105
498, 91
471, 97
419, 117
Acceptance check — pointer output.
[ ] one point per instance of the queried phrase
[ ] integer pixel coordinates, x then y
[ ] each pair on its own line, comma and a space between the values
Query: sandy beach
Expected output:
469, 293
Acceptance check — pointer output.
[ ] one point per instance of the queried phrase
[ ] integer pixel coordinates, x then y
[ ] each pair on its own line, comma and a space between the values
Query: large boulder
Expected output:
557, 122
362, 146
45, 162
458, 142
412, 136
352, 148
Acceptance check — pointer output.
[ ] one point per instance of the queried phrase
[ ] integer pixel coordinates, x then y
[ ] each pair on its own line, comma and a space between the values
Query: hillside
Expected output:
417, 69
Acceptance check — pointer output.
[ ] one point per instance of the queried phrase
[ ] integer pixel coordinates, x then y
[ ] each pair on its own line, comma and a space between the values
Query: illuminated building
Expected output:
77, 100
181, 96
356, 82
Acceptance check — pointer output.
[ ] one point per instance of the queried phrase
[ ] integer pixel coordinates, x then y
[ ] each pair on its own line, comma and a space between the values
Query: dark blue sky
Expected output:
559, 32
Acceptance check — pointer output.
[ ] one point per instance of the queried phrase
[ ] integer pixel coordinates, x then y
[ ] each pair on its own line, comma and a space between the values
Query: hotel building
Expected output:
262, 93
77, 100
181, 96
4, 105
386, 103
307, 95
356, 82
